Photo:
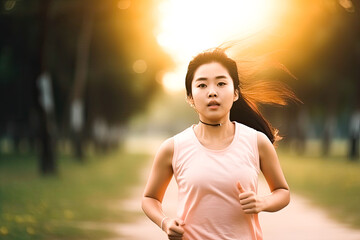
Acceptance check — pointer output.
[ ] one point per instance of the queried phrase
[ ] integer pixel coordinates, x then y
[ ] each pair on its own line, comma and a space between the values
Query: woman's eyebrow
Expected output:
201, 79
205, 79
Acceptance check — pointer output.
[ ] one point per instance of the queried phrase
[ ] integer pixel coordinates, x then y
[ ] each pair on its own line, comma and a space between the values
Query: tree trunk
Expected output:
354, 137
301, 125
81, 70
47, 162
328, 133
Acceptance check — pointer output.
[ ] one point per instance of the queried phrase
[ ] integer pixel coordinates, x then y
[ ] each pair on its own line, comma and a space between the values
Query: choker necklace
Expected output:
210, 124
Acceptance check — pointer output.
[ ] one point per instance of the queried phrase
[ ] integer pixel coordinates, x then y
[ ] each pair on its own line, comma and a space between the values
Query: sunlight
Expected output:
187, 27
174, 81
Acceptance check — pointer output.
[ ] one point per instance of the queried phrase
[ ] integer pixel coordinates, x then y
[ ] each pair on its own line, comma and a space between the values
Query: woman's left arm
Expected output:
270, 166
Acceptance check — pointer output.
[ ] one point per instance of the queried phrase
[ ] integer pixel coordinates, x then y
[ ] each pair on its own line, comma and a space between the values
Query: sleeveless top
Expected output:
208, 200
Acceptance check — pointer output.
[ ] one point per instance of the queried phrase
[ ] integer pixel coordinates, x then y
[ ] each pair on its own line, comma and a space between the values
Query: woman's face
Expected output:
213, 92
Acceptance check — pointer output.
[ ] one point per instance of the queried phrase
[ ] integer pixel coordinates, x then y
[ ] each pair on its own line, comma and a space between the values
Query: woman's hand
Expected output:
250, 202
173, 228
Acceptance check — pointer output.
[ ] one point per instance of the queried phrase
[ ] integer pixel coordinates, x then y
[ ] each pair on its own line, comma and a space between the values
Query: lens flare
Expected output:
187, 27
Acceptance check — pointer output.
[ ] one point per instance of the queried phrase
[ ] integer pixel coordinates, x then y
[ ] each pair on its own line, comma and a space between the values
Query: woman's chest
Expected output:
220, 171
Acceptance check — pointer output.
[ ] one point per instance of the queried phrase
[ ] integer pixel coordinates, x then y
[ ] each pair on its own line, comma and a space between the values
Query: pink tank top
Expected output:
208, 197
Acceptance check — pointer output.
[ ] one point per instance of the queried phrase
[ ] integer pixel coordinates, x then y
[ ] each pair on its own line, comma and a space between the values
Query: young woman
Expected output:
216, 162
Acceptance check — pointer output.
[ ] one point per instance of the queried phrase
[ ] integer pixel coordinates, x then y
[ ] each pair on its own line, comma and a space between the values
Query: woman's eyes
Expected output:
203, 85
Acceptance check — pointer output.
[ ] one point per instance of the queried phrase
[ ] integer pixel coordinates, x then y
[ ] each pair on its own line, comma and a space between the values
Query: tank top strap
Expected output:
183, 142
247, 137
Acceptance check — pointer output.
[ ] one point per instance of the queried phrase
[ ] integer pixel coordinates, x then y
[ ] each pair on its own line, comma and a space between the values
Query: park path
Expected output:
300, 220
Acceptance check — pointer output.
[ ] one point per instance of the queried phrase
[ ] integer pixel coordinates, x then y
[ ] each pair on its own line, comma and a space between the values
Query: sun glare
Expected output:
187, 27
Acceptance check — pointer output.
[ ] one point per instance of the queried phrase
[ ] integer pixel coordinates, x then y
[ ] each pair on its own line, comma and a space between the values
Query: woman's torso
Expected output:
208, 196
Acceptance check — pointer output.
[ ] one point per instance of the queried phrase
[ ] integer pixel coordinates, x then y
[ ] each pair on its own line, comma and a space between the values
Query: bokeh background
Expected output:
88, 89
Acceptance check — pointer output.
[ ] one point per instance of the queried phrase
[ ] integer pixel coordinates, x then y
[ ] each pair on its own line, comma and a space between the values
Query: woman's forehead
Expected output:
213, 70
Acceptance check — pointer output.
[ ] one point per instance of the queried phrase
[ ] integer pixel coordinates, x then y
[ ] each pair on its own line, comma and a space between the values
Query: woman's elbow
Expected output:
287, 197
144, 203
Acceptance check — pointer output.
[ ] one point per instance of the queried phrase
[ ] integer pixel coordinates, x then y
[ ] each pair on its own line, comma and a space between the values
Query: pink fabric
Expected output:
208, 196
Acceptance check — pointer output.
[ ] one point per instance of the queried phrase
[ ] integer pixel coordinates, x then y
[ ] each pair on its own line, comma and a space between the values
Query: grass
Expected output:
35, 207
331, 182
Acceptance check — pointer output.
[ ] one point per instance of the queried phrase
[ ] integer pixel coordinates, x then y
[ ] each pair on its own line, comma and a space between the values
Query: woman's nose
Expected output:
212, 93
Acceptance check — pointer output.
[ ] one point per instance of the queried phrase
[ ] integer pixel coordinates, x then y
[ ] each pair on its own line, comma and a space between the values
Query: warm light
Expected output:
124, 4
174, 81
187, 27
139, 66
348, 5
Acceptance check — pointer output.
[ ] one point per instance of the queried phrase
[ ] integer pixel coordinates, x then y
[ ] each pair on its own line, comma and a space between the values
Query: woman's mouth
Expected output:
213, 104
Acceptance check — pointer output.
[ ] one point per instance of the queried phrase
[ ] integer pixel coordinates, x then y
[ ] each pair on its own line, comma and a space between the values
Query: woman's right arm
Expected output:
160, 176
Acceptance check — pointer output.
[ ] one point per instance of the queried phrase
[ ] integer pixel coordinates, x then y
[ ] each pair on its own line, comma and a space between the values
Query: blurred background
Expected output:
88, 89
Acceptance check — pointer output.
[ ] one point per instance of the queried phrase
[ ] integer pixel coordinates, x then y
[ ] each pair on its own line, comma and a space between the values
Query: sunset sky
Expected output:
187, 27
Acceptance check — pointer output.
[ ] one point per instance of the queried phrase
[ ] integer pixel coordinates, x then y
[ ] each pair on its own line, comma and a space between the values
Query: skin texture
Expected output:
212, 83
212, 97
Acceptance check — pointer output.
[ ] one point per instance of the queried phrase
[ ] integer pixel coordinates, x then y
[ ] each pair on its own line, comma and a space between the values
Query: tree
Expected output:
46, 125
111, 87
81, 71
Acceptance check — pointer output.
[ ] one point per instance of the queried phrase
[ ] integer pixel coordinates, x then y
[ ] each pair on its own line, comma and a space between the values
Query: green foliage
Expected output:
33, 207
331, 182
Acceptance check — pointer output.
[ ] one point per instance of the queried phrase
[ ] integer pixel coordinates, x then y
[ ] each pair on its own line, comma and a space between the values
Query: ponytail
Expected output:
248, 114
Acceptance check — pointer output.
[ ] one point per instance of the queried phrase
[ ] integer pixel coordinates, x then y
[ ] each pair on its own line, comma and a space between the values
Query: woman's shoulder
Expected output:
246, 129
167, 146
263, 141
260, 139
184, 135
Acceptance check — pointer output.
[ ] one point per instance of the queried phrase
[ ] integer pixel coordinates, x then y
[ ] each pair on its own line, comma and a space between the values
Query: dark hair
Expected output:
245, 109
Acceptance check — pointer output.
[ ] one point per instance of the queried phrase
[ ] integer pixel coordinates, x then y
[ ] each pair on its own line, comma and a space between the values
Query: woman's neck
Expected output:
209, 131
215, 137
